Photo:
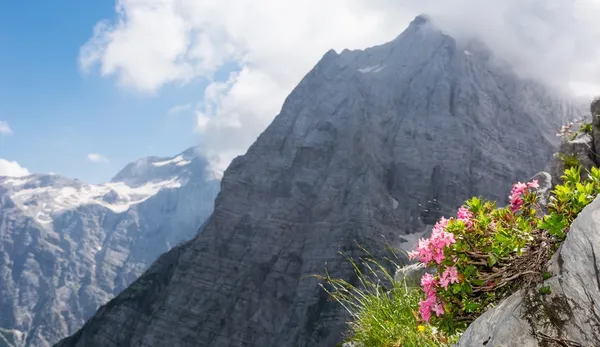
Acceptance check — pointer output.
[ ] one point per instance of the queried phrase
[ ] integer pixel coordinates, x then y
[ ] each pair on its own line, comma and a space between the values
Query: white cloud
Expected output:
12, 169
97, 158
4, 128
179, 109
275, 43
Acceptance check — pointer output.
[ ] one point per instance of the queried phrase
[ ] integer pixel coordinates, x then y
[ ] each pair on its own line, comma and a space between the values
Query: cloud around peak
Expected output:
273, 44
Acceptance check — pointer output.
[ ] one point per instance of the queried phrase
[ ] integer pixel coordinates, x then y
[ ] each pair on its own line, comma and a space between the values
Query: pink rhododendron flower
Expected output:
438, 256
515, 196
465, 215
428, 305
433, 248
533, 184
422, 252
428, 282
425, 310
449, 276
438, 309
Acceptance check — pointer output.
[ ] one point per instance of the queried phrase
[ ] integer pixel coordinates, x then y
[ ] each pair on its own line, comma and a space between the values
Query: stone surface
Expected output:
572, 310
371, 147
67, 247
580, 149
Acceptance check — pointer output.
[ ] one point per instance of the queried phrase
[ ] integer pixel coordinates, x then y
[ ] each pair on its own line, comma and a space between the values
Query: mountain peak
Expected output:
420, 20
151, 169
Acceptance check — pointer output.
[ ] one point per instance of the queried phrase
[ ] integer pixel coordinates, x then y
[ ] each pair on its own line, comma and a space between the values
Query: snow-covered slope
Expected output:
67, 247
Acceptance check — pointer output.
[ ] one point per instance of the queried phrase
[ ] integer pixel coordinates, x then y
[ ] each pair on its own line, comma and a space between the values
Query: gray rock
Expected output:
580, 150
570, 312
364, 140
66, 248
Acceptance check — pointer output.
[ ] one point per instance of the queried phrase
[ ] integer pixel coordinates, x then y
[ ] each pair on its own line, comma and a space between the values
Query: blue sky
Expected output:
58, 115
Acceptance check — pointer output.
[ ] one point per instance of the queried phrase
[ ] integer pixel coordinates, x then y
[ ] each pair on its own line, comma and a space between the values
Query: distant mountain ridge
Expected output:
67, 247
361, 146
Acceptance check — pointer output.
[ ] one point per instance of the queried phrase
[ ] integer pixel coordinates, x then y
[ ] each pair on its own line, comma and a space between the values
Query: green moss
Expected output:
545, 290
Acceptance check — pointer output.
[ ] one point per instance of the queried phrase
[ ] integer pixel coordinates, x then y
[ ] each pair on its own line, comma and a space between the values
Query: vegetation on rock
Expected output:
478, 258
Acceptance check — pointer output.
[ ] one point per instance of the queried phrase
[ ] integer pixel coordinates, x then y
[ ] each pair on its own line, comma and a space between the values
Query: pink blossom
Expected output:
425, 310
428, 282
449, 276
438, 256
430, 304
465, 215
515, 195
433, 248
438, 309
423, 251
533, 184
426, 305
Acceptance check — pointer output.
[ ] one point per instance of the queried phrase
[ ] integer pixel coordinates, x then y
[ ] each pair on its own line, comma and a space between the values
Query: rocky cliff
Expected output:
371, 146
67, 247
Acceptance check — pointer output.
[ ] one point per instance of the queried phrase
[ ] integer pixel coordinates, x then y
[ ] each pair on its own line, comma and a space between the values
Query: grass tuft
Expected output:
384, 312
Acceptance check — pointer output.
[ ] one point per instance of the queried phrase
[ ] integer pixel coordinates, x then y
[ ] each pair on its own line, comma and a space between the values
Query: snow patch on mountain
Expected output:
374, 68
178, 160
44, 202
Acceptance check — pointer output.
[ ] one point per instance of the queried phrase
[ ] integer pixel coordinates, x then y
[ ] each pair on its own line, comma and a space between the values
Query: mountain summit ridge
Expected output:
364, 140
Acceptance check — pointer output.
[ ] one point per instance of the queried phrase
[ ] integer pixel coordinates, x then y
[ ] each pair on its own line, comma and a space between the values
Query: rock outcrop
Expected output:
67, 247
372, 146
569, 315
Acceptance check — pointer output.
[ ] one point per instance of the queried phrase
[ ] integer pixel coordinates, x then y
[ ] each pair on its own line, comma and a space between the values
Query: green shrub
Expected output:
486, 252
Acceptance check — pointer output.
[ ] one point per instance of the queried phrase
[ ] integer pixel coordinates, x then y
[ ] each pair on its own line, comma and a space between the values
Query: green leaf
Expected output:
477, 283
471, 307
470, 270
492, 260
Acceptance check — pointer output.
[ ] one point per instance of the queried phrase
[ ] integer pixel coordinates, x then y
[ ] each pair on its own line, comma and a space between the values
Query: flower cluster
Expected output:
430, 251
433, 248
516, 194
431, 302
465, 215
485, 252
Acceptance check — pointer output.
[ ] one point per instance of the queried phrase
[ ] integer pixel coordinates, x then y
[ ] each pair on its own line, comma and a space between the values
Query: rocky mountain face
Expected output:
67, 247
371, 147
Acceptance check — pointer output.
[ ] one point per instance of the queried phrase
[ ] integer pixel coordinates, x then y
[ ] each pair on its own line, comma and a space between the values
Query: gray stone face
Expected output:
66, 248
579, 150
570, 312
364, 140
